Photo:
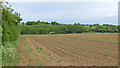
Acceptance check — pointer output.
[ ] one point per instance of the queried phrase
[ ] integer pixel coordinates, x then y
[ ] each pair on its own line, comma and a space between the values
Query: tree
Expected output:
10, 24
54, 23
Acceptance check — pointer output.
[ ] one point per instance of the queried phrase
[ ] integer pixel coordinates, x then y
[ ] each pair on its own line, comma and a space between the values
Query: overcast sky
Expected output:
62, 0
68, 11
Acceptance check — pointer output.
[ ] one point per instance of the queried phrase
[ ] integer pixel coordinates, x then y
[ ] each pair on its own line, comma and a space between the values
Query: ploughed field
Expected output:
68, 50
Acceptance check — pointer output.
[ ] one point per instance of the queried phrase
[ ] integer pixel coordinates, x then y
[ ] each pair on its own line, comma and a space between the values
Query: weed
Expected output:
40, 48
58, 61
95, 57
41, 65
37, 47
28, 65
22, 38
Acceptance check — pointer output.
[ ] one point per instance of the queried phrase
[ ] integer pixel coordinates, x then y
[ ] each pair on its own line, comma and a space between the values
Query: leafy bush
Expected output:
10, 24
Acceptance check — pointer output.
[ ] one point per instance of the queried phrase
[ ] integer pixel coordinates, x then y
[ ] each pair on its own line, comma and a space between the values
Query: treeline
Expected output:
40, 22
10, 23
38, 27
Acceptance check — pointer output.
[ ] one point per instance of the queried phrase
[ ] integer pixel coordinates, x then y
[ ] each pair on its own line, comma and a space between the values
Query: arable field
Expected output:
68, 50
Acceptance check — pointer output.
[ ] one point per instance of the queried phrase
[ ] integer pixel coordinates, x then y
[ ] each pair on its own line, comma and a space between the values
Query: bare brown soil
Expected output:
68, 50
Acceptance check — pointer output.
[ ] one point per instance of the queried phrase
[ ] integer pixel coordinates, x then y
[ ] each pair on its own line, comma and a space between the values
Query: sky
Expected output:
68, 12
62, 0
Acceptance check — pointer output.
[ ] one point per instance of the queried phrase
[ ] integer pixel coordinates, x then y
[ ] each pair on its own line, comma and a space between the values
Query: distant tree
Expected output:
38, 21
75, 24
45, 27
23, 23
96, 25
47, 23
29, 23
54, 23
78, 23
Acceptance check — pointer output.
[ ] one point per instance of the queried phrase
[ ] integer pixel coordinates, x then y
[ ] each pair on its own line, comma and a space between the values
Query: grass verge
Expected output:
9, 54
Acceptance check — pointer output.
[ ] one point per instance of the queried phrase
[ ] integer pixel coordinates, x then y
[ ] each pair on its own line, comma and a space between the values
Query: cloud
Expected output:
62, 0
111, 14
87, 12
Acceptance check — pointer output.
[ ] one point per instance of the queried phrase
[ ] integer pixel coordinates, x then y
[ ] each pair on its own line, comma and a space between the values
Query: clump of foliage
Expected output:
10, 24
41, 48
59, 61
41, 65
28, 65
10, 34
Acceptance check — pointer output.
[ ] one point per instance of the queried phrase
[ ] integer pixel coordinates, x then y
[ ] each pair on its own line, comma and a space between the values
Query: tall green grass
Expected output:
0, 46
0, 54
9, 54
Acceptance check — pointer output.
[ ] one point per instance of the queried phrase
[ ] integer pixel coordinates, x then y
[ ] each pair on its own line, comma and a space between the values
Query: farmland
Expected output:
34, 42
68, 50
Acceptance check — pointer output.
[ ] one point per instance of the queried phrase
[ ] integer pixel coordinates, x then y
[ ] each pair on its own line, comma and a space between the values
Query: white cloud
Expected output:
62, 0
111, 14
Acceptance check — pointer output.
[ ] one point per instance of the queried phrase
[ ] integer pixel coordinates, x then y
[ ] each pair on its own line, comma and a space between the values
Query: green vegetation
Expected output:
22, 38
28, 65
9, 54
60, 61
11, 30
10, 24
50, 28
37, 47
10, 34
41, 65
40, 48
